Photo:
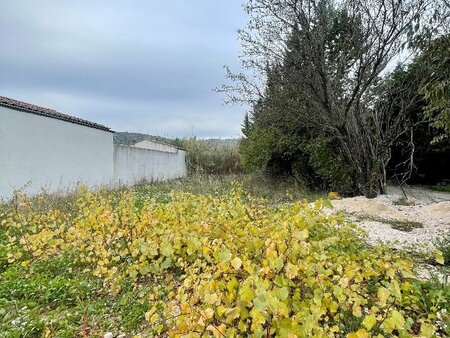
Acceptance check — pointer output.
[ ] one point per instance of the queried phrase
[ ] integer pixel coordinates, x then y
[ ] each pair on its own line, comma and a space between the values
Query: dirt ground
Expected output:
411, 216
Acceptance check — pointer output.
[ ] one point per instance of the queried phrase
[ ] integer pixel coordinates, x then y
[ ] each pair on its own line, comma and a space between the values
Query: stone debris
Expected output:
429, 209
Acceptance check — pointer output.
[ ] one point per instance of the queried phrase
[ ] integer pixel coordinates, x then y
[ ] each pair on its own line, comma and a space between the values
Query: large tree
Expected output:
330, 55
423, 154
436, 61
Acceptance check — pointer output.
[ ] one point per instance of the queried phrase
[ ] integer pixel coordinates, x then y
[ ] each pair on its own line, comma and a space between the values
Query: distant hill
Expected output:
132, 138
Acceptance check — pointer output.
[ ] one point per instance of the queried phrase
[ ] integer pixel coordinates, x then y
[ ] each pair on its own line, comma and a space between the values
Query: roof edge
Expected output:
51, 113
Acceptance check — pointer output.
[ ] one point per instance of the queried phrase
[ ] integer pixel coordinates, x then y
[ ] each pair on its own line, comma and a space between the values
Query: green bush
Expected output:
312, 161
443, 244
256, 150
329, 165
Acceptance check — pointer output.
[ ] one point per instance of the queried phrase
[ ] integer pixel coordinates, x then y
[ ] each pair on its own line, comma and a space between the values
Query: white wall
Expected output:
132, 164
38, 151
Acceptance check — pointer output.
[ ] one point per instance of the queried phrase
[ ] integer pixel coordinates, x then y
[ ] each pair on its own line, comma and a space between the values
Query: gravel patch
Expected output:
428, 212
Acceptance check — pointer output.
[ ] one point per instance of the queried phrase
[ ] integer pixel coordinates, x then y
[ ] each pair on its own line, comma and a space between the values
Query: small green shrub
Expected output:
435, 294
403, 201
443, 244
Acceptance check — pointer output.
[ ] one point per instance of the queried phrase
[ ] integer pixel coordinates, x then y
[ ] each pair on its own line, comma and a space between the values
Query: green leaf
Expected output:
327, 203
224, 256
276, 263
166, 264
369, 321
288, 327
301, 234
246, 294
283, 293
211, 298
427, 330
439, 257
167, 250
383, 294
394, 322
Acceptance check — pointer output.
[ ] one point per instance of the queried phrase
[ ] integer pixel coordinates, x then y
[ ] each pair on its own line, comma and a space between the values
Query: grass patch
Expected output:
54, 298
276, 191
406, 226
403, 201
445, 187
401, 225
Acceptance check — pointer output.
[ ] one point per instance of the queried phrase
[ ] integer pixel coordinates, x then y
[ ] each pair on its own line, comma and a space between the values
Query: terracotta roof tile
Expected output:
31, 108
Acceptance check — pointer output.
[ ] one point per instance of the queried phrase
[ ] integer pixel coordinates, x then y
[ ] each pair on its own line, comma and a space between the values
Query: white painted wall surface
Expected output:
132, 164
37, 151
151, 145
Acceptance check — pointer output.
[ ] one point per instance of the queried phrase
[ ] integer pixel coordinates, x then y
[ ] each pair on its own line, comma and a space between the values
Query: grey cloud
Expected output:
131, 65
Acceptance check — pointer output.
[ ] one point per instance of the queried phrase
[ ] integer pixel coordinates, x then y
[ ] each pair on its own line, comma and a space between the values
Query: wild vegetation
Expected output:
209, 157
323, 105
229, 255
160, 260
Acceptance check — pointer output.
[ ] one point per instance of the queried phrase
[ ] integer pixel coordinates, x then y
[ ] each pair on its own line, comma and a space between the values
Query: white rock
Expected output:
108, 335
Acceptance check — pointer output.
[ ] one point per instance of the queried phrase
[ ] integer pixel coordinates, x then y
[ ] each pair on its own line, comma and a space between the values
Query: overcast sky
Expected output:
136, 65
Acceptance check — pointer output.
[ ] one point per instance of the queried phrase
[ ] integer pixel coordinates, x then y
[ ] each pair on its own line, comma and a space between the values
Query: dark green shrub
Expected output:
329, 165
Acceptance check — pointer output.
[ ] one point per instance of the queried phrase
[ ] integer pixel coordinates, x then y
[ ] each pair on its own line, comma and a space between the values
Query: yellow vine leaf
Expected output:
236, 263
369, 321
439, 257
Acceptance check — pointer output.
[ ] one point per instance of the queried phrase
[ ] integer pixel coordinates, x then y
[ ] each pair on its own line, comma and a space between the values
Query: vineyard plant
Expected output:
198, 265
